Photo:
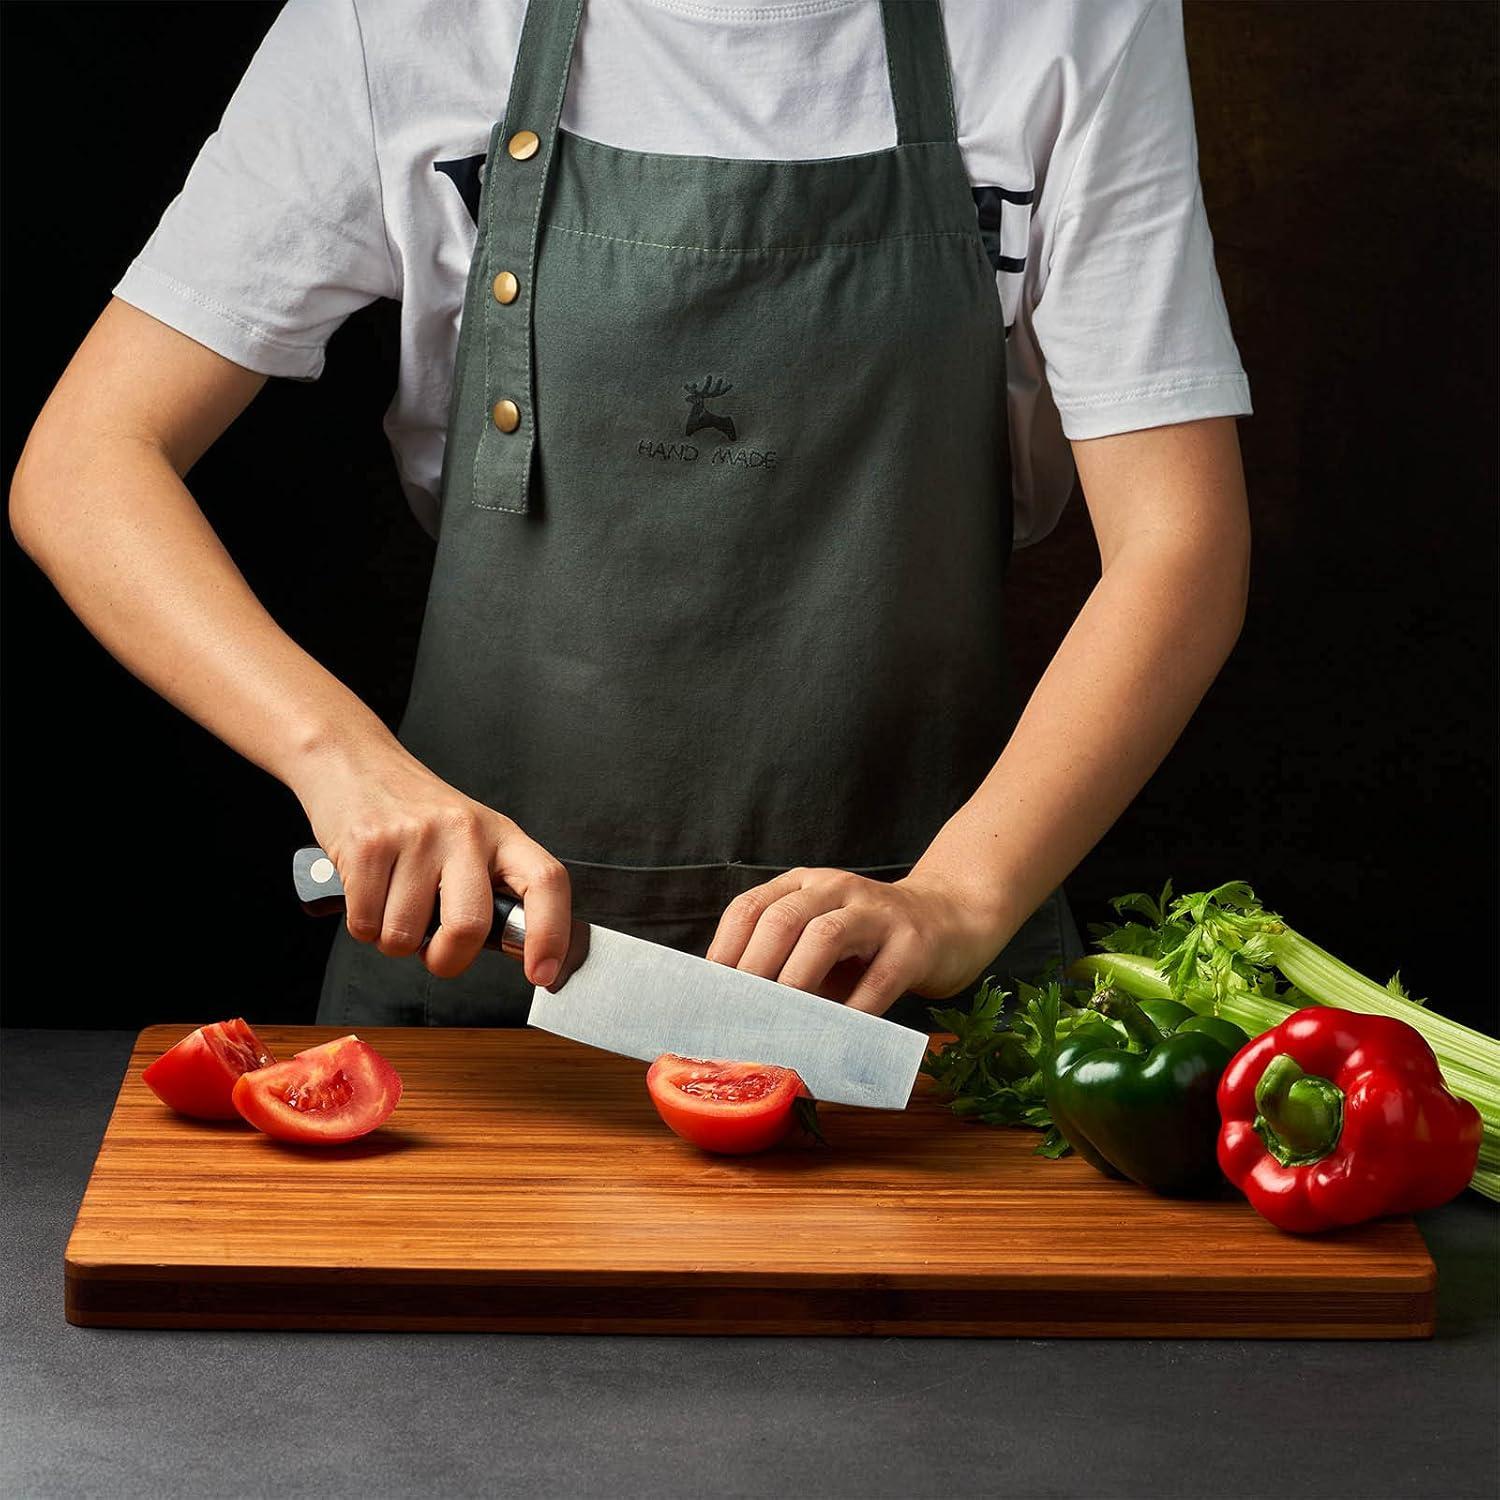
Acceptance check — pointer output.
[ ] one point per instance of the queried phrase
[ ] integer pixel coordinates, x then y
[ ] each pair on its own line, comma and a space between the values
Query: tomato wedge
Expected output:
197, 1076
734, 1108
336, 1092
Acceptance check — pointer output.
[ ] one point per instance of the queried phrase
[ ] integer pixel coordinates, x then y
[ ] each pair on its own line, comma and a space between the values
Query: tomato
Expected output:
197, 1076
335, 1092
731, 1107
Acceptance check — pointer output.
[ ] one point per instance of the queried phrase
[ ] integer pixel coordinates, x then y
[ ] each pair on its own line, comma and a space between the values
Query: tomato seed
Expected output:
731, 1090
321, 1093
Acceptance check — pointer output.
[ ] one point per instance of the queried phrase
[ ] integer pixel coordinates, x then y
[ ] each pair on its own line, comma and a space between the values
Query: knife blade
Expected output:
627, 995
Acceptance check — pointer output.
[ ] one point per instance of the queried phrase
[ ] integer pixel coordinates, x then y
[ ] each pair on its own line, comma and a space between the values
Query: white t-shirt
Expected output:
346, 168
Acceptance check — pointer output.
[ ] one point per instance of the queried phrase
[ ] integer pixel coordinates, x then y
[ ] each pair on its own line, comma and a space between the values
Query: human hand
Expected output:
405, 842
865, 942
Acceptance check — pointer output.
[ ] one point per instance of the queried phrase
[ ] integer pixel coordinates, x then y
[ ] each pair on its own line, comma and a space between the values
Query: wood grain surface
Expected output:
525, 1183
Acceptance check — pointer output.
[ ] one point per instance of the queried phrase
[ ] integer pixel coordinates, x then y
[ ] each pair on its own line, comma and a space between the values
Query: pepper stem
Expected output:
1299, 1115
1139, 1027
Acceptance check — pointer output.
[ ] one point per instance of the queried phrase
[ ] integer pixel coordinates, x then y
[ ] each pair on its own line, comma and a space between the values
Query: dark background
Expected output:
1345, 762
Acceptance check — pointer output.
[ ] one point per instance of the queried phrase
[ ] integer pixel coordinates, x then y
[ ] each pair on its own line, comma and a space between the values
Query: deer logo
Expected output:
699, 416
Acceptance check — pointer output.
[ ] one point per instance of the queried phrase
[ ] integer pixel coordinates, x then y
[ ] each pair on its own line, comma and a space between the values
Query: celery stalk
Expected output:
1319, 975
1137, 976
1140, 978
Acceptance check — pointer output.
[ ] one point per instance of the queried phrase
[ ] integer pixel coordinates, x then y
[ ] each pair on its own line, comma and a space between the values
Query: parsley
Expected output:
991, 1071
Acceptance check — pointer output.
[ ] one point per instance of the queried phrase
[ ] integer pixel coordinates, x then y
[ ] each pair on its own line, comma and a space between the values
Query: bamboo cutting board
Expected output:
525, 1183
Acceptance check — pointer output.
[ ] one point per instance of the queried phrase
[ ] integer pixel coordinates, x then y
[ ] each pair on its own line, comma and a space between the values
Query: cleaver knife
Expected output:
627, 995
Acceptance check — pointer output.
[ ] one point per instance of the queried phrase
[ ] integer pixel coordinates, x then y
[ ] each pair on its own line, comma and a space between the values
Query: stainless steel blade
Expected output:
626, 995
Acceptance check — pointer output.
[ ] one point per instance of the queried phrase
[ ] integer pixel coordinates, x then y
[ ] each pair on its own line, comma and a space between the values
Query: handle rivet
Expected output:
321, 871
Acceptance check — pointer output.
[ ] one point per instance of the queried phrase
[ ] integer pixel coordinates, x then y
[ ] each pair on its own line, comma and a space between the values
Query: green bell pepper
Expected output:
1137, 1099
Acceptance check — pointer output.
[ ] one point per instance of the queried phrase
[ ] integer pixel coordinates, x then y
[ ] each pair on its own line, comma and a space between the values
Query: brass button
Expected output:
506, 287
523, 145
507, 415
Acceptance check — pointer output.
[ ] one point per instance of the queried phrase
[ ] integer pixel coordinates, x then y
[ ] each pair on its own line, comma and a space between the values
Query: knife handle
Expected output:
321, 892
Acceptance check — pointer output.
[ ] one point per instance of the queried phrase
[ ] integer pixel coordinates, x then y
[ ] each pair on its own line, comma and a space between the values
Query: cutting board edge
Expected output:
121, 1303
760, 1328
82, 1267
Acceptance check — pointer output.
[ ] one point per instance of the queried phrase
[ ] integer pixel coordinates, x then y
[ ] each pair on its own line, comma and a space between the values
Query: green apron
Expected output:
725, 519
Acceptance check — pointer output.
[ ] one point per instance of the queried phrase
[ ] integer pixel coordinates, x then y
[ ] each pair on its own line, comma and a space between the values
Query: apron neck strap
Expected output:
539, 80
916, 51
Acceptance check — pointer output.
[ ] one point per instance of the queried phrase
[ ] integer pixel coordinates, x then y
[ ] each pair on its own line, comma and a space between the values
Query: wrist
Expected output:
979, 917
340, 743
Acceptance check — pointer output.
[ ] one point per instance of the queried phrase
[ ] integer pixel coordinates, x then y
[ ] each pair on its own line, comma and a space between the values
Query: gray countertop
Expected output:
140, 1413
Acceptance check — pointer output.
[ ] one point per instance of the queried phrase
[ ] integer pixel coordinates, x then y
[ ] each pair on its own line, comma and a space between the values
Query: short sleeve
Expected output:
279, 231
1130, 319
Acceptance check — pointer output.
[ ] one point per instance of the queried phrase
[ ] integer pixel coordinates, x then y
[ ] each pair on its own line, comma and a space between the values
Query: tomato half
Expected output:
731, 1107
336, 1092
197, 1076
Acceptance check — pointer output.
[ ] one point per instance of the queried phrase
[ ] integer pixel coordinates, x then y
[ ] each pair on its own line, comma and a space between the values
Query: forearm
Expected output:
120, 536
99, 501
1128, 675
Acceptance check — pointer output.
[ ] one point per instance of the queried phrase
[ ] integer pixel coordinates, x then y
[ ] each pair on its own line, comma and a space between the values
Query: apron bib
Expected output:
725, 519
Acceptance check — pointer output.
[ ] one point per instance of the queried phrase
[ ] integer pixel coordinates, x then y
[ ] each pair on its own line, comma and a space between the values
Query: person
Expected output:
740, 347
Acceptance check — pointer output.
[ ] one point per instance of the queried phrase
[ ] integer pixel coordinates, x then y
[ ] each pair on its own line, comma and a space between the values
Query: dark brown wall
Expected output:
1345, 762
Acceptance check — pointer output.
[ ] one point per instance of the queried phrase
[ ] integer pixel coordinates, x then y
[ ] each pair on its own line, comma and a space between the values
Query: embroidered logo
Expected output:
727, 453
700, 416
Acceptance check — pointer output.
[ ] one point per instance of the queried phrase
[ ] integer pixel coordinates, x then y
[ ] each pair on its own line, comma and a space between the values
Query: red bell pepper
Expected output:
1334, 1117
